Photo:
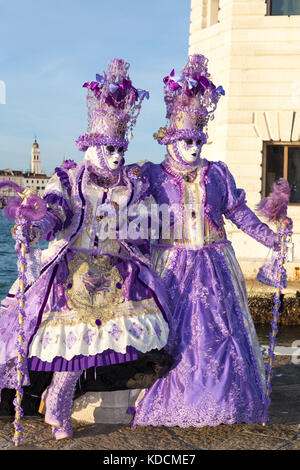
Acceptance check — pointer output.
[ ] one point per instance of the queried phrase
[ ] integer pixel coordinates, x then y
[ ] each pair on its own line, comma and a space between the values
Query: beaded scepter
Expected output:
274, 208
25, 208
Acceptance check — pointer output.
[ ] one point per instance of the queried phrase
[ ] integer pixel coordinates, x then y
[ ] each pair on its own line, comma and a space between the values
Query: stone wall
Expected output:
256, 58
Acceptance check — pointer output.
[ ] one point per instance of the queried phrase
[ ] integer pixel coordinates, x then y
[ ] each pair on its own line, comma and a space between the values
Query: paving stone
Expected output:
282, 432
293, 445
247, 441
207, 437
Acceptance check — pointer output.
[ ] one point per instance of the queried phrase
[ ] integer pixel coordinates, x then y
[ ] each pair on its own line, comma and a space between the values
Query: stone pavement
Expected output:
282, 432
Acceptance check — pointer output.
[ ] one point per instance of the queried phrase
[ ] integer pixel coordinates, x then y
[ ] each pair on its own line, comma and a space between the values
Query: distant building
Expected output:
35, 181
11, 175
31, 179
35, 158
253, 49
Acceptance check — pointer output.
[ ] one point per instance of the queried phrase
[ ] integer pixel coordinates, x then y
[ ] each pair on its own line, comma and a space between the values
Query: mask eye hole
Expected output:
198, 142
188, 141
110, 148
120, 149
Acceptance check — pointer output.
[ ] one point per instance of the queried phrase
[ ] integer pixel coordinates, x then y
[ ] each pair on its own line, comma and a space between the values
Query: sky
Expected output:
49, 48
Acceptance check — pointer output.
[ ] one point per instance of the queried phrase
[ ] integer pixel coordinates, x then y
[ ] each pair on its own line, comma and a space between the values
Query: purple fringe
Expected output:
80, 362
64, 179
172, 135
89, 140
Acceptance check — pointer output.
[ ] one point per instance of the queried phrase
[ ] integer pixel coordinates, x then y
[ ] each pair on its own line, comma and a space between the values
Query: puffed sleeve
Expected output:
59, 210
236, 210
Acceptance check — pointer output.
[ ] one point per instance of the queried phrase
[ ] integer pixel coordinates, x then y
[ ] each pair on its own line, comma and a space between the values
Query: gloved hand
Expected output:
288, 223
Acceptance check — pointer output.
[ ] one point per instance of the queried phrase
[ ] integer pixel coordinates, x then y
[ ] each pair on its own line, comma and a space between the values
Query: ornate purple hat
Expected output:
191, 100
113, 105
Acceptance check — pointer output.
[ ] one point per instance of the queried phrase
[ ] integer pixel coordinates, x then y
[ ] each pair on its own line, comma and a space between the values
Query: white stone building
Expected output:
253, 47
12, 175
34, 178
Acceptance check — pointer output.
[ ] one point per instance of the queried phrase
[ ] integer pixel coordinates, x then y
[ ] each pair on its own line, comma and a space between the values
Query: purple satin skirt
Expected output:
215, 378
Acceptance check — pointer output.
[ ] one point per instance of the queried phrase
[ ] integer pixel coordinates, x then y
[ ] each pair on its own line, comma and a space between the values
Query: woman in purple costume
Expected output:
96, 301
219, 374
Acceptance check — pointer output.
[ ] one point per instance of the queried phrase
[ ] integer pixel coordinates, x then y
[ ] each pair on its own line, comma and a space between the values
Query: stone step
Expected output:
105, 407
293, 351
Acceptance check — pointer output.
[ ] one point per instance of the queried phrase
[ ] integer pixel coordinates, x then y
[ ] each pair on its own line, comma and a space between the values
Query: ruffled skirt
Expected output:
97, 313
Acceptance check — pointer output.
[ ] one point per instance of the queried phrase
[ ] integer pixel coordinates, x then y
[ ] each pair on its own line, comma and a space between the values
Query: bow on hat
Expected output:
114, 87
176, 82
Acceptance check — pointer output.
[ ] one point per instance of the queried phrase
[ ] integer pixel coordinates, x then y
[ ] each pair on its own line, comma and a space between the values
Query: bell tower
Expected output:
35, 158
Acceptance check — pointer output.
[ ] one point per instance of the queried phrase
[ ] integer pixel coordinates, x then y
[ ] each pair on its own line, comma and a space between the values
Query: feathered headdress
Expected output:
113, 105
190, 99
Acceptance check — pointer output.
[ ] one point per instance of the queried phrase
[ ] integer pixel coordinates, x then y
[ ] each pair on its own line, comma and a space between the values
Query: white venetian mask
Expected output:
189, 149
113, 156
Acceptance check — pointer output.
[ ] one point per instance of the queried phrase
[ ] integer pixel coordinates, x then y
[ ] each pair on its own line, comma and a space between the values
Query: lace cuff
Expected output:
246, 220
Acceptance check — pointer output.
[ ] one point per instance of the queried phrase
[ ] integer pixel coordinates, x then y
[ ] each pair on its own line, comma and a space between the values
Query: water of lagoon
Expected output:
8, 257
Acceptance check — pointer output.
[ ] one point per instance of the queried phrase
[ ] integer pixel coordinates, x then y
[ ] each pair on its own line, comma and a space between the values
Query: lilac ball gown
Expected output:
218, 375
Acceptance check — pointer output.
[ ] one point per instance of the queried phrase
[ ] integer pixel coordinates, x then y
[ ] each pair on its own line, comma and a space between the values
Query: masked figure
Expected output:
218, 375
95, 301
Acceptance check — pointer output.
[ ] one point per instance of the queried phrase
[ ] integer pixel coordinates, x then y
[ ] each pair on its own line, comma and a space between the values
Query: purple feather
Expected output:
274, 206
34, 209
11, 184
9, 211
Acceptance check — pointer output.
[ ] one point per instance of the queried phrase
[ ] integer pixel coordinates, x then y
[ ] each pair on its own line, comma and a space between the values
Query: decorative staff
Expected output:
24, 208
274, 208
